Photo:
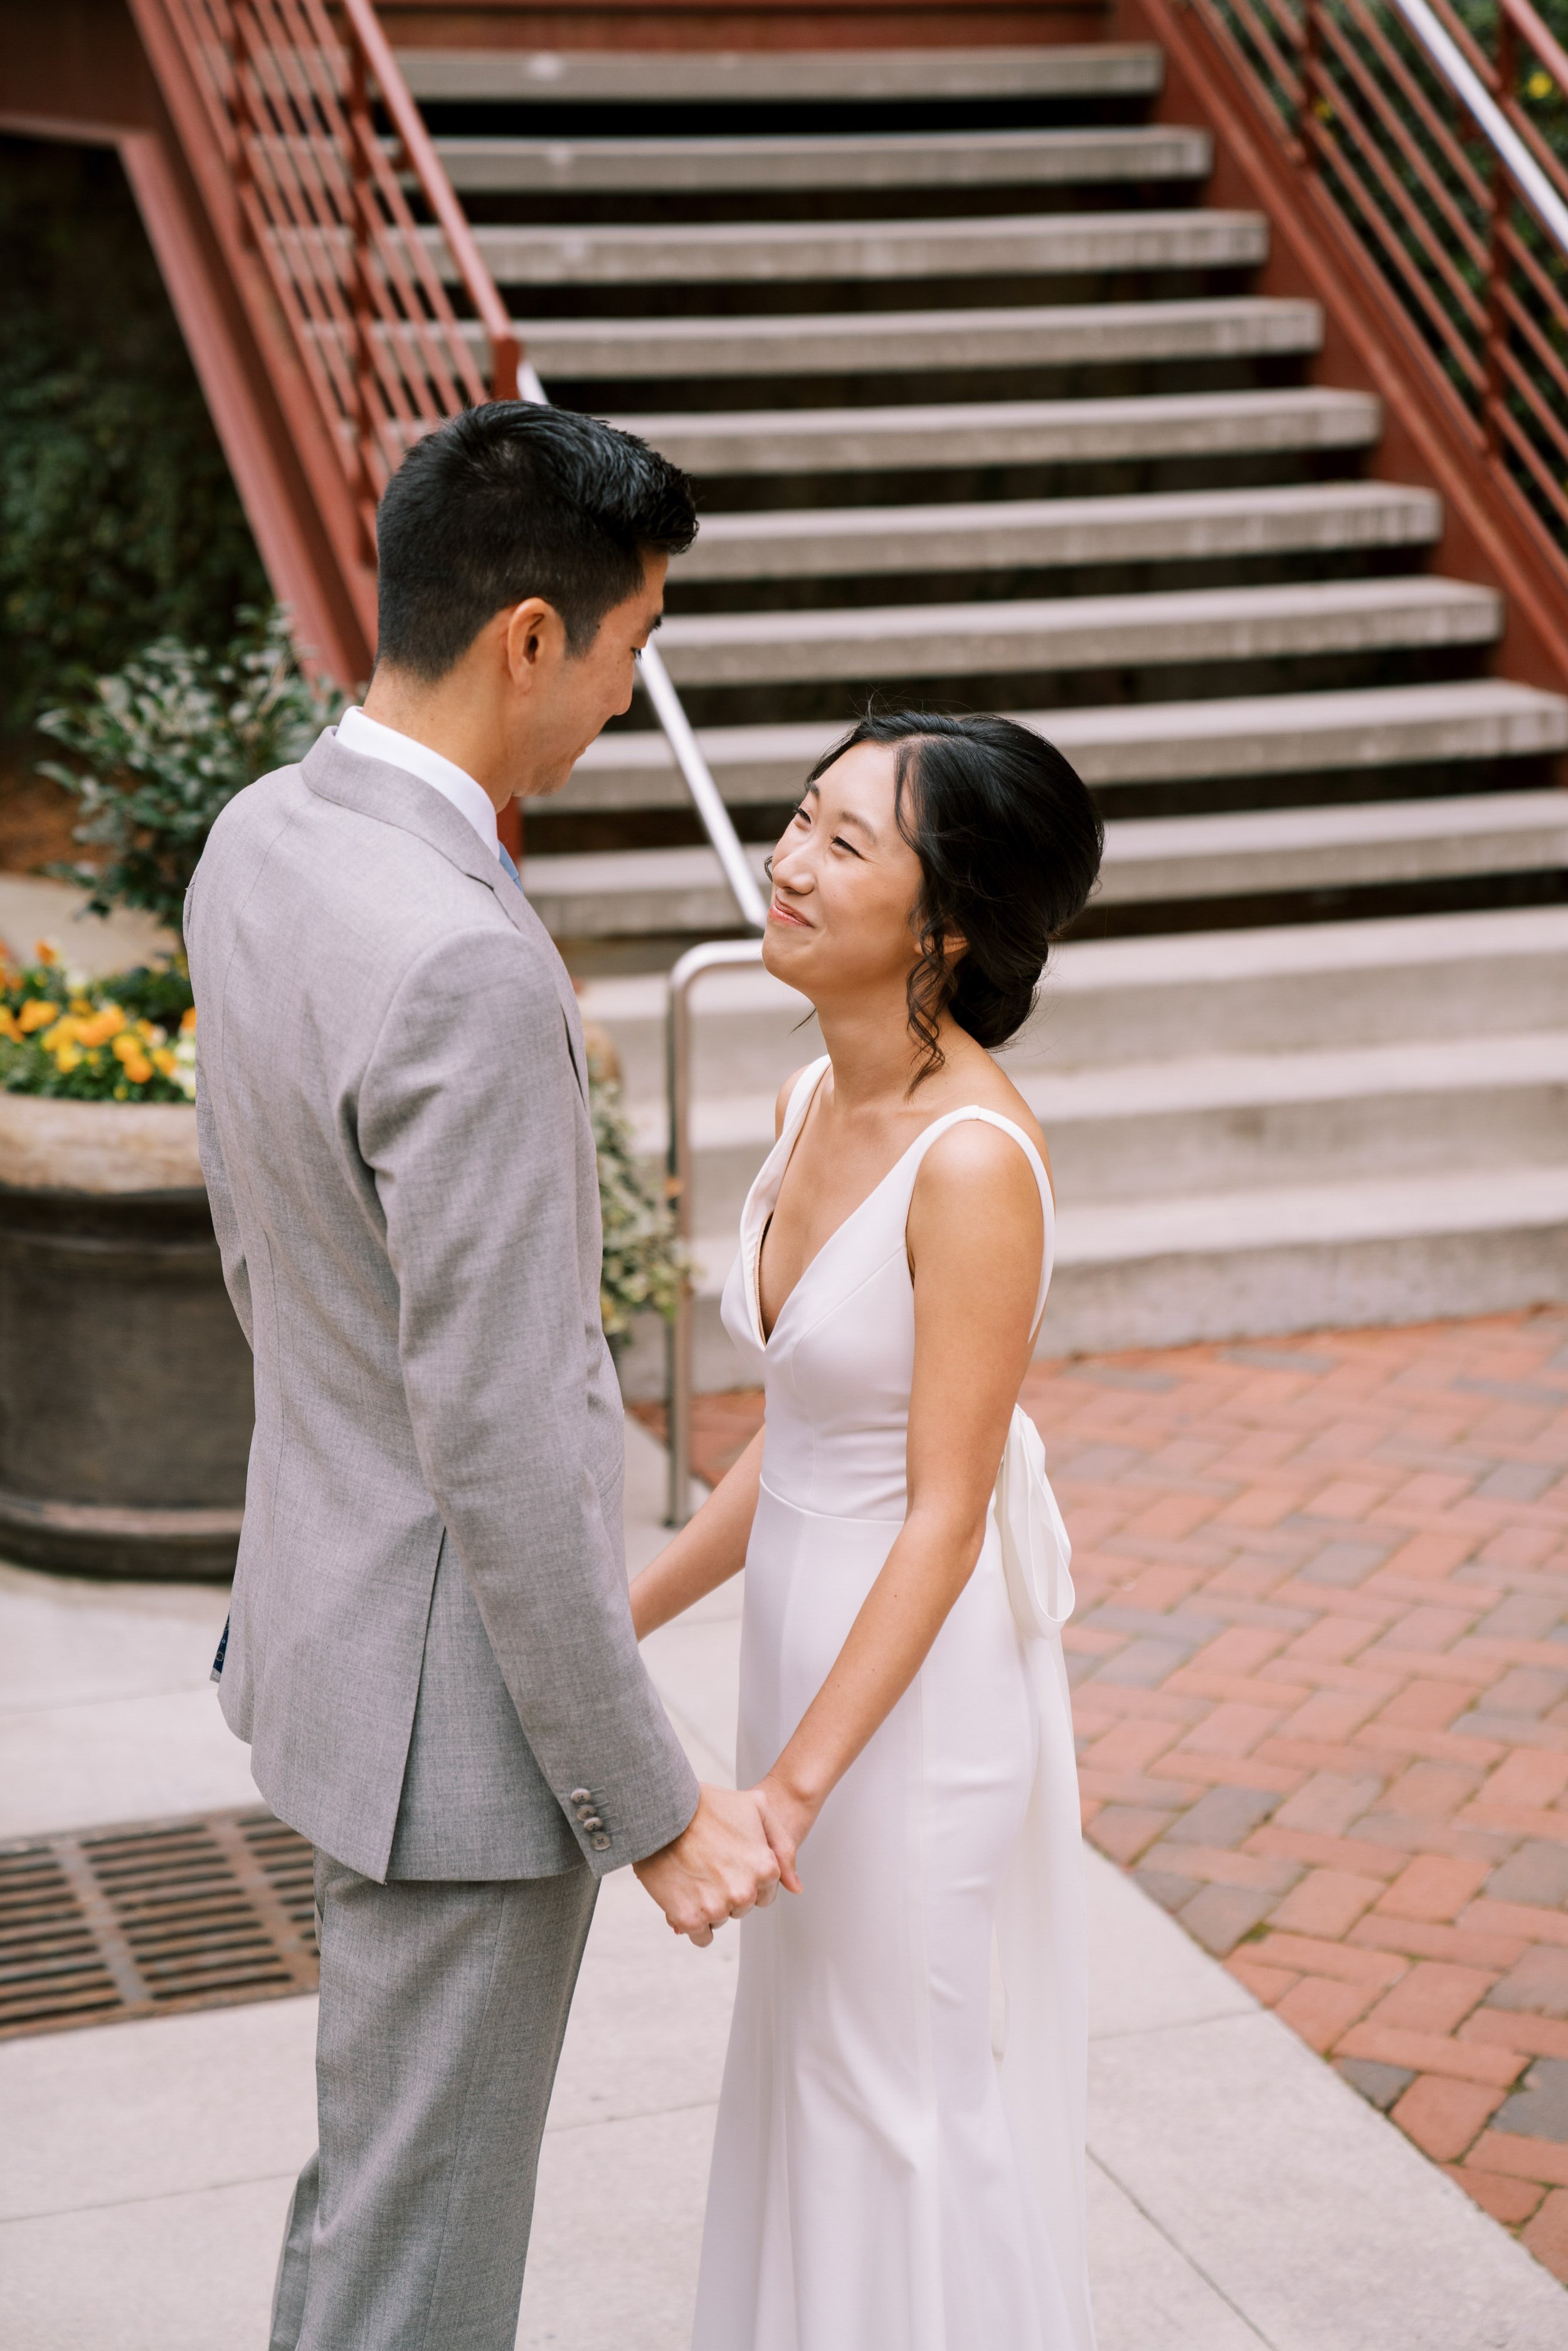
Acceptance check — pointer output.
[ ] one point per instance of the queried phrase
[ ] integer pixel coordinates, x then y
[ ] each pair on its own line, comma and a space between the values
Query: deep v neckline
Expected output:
793, 1130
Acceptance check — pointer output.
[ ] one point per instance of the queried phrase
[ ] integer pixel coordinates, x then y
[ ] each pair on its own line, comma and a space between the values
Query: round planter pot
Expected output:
125, 1381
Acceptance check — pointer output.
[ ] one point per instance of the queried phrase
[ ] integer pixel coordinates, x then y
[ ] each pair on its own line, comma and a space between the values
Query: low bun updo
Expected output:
1009, 844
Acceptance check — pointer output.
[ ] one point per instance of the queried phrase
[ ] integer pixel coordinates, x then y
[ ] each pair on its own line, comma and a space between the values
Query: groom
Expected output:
431, 1650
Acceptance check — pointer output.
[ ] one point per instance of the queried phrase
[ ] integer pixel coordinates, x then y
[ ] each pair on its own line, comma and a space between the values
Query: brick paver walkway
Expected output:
1321, 1670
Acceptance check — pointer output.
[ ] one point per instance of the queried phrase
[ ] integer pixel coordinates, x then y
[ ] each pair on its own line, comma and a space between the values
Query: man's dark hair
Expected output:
513, 500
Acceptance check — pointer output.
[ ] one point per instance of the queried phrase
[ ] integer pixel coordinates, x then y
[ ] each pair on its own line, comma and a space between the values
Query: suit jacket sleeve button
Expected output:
580, 1796
592, 1821
600, 1843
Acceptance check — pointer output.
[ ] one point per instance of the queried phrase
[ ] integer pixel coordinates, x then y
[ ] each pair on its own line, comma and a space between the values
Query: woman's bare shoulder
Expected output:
984, 1081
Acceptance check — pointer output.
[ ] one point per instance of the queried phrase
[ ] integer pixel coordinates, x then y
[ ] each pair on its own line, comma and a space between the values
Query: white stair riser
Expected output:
878, 341
1130, 742
1243, 1146
1218, 1295
1044, 244
974, 159
942, 641
1016, 433
576, 77
746, 1047
1043, 532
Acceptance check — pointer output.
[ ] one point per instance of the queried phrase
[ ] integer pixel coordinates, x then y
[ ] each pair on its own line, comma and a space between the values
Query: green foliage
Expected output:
645, 1265
129, 1039
119, 520
165, 742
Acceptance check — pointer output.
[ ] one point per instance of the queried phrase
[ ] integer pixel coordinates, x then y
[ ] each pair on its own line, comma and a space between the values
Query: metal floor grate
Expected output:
105, 1924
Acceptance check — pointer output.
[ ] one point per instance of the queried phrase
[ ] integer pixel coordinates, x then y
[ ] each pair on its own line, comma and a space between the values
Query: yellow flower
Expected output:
62, 1037
164, 1062
36, 1013
132, 1058
66, 1059
99, 1027
1539, 85
10, 1026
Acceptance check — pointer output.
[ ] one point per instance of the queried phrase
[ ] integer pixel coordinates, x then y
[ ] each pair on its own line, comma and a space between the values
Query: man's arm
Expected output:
215, 1174
468, 1120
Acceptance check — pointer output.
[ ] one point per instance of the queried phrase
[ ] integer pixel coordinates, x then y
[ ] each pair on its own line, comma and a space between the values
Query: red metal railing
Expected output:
1438, 157
320, 198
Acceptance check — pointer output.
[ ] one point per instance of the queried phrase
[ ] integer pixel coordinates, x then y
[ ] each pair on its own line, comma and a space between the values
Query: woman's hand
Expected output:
787, 1817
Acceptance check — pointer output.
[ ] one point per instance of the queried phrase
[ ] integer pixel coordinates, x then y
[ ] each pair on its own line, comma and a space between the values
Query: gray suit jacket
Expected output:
431, 1649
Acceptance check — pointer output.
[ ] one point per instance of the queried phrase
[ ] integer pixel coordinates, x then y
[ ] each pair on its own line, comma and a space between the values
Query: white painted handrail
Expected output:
1467, 84
717, 956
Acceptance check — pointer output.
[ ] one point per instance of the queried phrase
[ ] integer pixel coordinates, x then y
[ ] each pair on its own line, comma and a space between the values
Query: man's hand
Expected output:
719, 1865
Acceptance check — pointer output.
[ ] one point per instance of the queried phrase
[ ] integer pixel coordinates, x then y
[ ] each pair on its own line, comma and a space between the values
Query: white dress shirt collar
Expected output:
374, 741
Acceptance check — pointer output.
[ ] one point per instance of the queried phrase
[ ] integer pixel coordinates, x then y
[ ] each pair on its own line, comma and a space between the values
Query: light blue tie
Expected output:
506, 861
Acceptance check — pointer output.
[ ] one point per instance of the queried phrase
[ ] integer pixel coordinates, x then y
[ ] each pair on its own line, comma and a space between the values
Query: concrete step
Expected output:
1411, 1248
891, 159
1036, 245
1043, 533
579, 76
1011, 432
1147, 1134
1132, 743
1247, 1264
1309, 986
1198, 624
1412, 980
1159, 860
1167, 859
858, 341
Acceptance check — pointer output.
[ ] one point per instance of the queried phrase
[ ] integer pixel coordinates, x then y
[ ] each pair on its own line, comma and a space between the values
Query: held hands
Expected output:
717, 1868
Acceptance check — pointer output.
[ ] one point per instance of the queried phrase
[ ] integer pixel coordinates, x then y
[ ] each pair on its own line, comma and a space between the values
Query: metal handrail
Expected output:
1488, 116
317, 195
1427, 150
717, 955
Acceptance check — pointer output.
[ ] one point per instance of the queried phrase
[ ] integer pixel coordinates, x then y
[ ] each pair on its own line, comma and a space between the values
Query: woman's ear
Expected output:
955, 946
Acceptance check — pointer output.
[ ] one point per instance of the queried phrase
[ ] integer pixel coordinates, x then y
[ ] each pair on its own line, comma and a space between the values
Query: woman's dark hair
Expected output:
1009, 845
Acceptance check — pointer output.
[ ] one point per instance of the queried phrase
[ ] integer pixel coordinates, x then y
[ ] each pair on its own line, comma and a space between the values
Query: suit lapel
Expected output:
389, 795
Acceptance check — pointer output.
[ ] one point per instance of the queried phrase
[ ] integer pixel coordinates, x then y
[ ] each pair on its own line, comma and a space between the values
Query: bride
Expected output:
899, 2158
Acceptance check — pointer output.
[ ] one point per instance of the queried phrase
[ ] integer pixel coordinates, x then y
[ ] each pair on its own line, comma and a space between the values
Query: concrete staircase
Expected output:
984, 411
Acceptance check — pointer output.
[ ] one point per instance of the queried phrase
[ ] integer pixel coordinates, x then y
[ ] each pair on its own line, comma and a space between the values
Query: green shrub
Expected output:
119, 520
165, 742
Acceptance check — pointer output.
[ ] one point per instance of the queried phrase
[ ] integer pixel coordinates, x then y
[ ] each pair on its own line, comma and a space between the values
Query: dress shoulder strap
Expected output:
801, 1095
939, 1126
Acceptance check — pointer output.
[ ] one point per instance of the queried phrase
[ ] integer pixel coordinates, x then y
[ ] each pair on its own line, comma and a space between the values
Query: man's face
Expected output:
573, 695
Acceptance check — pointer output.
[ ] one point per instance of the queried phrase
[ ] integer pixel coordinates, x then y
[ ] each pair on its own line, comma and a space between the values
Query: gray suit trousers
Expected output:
442, 2008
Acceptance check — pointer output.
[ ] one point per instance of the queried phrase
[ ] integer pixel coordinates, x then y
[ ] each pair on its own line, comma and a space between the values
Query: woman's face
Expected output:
845, 884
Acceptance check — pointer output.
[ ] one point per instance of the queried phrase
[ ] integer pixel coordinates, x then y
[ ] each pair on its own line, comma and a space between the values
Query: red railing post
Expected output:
1311, 84
1495, 350
361, 295
243, 118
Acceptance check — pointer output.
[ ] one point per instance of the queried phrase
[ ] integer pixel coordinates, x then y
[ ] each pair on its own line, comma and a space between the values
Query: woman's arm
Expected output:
976, 1237
708, 1551
711, 1547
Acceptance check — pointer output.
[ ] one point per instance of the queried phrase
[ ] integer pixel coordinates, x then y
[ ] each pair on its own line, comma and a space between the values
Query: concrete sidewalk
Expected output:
1240, 2194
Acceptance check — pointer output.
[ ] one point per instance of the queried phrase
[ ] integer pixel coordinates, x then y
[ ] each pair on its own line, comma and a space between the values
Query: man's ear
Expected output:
531, 632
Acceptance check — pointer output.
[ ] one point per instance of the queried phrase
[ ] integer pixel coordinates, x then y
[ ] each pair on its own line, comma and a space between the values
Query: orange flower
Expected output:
99, 1027
36, 1013
188, 1022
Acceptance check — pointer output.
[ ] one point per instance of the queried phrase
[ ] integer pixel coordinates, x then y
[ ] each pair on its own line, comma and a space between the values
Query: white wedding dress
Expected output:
883, 2180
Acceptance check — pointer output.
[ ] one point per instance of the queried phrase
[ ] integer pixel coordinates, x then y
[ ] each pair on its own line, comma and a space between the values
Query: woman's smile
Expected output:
779, 913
